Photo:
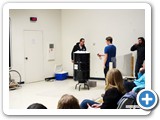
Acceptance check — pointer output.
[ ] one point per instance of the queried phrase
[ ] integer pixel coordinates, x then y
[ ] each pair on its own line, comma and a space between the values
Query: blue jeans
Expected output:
84, 105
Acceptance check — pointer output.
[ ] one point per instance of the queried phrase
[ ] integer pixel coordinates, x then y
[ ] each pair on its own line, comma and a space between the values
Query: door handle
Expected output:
26, 58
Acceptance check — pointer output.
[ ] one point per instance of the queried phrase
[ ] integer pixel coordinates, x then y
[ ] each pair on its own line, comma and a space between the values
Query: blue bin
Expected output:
61, 75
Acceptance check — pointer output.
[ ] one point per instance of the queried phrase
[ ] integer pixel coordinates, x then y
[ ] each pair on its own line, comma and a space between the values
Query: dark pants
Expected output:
84, 103
129, 85
105, 71
137, 67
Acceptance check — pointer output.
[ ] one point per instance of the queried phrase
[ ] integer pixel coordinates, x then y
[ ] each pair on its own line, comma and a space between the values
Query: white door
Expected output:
33, 56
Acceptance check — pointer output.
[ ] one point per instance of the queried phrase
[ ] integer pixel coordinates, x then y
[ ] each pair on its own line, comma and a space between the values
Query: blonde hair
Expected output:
114, 79
68, 102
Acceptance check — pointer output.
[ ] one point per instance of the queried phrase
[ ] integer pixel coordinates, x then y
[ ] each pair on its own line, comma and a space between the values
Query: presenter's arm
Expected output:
100, 55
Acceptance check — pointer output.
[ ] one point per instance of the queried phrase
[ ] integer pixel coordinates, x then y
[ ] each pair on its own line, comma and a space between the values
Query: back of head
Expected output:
37, 106
110, 39
68, 102
114, 79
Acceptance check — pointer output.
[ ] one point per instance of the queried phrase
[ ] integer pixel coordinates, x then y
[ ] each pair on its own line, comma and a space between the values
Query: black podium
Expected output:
81, 68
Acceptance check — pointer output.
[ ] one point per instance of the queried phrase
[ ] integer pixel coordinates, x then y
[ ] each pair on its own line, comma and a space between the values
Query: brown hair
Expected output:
81, 39
109, 38
68, 102
114, 79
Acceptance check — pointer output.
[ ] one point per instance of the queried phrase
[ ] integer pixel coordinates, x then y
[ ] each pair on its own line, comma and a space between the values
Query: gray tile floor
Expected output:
48, 93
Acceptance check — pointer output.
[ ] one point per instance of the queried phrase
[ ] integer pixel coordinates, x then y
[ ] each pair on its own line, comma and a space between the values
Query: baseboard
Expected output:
49, 78
92, 78
71, 77
95, 78
22, 82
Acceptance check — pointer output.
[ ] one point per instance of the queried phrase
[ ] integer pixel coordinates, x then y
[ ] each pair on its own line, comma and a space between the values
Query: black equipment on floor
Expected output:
81, 68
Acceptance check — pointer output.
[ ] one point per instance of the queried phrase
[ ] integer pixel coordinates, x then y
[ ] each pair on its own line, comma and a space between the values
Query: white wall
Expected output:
65, 27
49, 21
125, 26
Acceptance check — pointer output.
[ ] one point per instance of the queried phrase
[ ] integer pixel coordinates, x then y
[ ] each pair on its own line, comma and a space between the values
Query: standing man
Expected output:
140, 47
80, 46
109, 55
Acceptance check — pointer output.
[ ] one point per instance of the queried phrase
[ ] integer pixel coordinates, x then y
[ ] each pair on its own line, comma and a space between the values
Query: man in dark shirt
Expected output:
80, 46
140, 47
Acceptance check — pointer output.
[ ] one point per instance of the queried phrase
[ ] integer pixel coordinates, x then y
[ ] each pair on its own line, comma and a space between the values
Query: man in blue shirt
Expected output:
109, 55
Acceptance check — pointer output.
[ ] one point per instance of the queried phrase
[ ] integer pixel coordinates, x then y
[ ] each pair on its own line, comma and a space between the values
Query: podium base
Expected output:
79, 84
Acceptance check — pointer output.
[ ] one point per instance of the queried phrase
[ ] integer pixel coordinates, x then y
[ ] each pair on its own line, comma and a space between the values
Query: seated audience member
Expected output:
114, 91
36, 106
137, 84
68, 102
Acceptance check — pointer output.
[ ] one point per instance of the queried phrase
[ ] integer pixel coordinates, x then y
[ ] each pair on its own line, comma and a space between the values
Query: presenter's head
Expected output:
82, 41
